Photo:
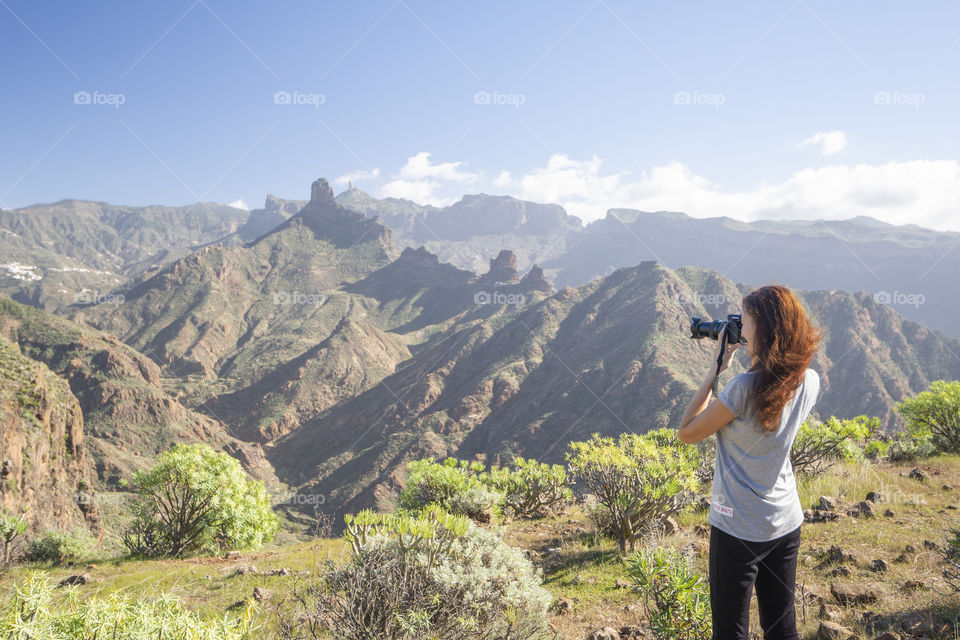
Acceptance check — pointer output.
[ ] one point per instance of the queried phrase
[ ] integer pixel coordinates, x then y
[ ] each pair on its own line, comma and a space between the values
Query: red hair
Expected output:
785, 342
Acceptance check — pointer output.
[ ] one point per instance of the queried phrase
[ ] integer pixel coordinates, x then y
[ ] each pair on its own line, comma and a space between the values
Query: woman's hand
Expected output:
729, 350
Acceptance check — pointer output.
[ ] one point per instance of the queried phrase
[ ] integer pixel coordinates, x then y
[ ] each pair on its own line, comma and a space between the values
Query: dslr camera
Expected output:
713, 329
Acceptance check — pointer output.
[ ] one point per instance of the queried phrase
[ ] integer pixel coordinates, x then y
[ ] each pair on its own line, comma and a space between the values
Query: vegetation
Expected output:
11, 528
428, 575
58, 547
821, 444
32, 611
532, 488
675, 597
195, 498
638, 480
935, 414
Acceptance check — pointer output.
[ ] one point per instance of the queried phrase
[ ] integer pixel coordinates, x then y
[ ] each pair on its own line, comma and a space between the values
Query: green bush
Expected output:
819, 445
458, 486
33, 611
876, 450
935, 413
676, 599
907, 447
197, 499
531, 488
638, 480
950, 555
425, 575
11, 528
58, 547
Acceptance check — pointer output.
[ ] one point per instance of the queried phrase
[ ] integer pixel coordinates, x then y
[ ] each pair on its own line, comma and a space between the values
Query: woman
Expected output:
755, 512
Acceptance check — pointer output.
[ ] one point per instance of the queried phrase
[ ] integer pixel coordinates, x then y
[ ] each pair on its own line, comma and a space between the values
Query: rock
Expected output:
829, 612
564, 606
917, 474
901, 558
836, 554
913, 585
281, 572
503, 269
947, 487
874, 496
842, 570
853, 594
832, 631
670, 526
879, 564
889, 513
887, 635
260, 594
231, 555
701, 531
606, 633
924, 623
828, 503
931, 545
246, 570
534, 280
80, 578
632, 632
910, 549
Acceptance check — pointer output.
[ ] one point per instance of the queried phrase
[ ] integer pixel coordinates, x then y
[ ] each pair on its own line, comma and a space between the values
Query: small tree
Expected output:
819, 445
458, 486
936, 413
531, 488
11, 527
637, 480
195, 498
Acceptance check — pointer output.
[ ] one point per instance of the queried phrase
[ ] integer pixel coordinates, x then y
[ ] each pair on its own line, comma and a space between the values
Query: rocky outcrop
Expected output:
43, 467
534, 280
503, 269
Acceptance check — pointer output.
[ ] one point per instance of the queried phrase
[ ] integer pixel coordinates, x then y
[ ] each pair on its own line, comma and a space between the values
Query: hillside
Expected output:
42, 445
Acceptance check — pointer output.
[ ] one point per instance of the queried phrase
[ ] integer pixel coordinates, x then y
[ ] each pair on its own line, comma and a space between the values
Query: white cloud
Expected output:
831, 142
923, 192
357, 176
239, 204
419, 180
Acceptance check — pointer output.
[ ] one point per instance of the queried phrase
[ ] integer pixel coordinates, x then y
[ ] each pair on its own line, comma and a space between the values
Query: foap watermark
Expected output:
711, 299
296, 97
88, 296
899, 298
499, 297
714, 100
298, 297
99, 98
497, 98
297, 498
915, 100
895, 495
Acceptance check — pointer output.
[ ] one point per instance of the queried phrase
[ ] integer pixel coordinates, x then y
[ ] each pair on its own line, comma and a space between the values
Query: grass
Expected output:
584, 569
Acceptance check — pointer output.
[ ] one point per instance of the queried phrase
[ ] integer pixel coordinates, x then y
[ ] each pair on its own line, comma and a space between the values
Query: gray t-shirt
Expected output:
754, 491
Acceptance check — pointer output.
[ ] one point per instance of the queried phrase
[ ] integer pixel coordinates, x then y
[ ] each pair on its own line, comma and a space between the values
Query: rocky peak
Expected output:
503, 268
534, 280
274, 204
419, 256
321, 193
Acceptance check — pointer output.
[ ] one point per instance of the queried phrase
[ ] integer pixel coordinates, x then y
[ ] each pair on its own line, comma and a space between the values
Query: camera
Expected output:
713, 329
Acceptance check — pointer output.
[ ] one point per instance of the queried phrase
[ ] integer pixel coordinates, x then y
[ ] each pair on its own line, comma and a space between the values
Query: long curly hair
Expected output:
785, 342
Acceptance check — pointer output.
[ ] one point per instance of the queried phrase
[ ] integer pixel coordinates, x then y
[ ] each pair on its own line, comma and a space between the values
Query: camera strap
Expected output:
723, 349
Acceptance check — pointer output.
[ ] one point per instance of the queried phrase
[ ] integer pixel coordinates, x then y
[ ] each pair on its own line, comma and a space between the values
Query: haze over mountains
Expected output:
323, 346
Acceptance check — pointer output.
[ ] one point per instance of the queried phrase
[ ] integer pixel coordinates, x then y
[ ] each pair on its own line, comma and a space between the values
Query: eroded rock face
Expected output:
43, 468
503, 269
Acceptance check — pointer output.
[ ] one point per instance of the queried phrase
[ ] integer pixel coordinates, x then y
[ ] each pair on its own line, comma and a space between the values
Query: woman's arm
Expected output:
701, 420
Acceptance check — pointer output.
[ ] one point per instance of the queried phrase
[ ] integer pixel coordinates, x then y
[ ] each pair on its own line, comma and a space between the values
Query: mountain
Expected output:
77, 252
610, 356
44, 468
128, 414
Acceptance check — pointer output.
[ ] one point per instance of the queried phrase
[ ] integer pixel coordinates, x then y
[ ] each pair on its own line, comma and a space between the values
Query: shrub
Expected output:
638, 480
676, 599
198, 499
458, 486
33, 611
531, 488
11, 528
58, 547
876, 450
935, 413
906, 447
819, 445
427, 575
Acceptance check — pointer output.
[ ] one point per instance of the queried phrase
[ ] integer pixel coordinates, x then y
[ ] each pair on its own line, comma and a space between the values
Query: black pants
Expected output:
735, 566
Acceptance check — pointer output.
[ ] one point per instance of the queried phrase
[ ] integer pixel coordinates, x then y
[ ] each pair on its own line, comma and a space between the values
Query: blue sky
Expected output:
797, 109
